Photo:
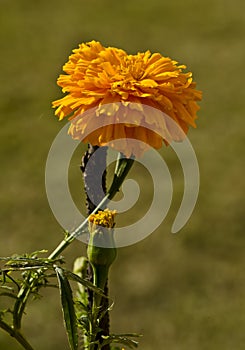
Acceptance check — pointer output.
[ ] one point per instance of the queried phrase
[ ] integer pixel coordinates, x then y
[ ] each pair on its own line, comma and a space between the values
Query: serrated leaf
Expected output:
68, 308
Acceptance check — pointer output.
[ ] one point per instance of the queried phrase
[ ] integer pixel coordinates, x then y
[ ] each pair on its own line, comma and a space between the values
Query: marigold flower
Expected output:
109, 81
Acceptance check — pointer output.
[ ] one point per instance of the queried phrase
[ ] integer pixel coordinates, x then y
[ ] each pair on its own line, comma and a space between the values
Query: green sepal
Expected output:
101, 247
100, 257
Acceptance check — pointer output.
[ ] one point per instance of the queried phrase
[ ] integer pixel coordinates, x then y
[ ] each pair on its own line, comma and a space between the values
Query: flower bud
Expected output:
101, 250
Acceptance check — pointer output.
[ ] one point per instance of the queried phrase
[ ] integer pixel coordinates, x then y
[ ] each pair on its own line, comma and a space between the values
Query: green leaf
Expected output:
68, 308
85, 283
122, 339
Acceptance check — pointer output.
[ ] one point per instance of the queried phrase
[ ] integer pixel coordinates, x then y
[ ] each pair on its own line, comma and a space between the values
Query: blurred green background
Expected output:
183, 291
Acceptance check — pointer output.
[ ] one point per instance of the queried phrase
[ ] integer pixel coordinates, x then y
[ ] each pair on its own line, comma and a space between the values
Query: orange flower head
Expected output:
111, 95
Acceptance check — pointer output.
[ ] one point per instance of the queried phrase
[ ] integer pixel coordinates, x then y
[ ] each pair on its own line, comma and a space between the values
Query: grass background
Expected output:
184, 291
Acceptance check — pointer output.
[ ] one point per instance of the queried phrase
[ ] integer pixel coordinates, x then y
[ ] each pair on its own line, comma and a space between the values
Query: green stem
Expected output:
20, 303
15, 334
77, 232
100, 275
59, 249
19, 307
100, 278
122, 168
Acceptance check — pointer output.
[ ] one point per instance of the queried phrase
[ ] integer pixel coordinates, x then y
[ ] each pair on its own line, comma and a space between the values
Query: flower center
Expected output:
133, 67
103, 218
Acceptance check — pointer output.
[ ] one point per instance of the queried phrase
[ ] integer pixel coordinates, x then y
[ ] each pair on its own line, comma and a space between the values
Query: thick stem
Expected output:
100, 279
92, 184
92, 176
101, 304
122, 168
